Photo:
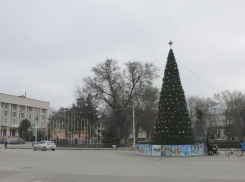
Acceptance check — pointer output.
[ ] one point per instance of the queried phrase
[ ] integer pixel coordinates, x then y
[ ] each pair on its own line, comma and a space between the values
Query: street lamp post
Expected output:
133, 128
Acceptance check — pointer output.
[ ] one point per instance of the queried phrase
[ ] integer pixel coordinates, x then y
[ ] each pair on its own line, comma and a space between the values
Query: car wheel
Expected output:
44, 149
34, 148
53, 149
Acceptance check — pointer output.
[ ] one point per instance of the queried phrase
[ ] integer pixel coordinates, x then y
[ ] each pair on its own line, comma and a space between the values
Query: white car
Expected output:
44, 146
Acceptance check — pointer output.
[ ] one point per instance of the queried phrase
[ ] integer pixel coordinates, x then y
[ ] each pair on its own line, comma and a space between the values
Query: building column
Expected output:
25, 112
8, 119
45, 117
32, 115
40, 116
17, 117
8, 131
9, 114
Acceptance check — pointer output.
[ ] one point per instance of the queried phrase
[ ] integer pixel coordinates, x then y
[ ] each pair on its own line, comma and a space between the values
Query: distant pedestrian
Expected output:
210, 147
5, 144
243, 146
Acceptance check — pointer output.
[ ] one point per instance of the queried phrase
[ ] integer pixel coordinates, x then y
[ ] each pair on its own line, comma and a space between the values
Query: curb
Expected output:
67, 148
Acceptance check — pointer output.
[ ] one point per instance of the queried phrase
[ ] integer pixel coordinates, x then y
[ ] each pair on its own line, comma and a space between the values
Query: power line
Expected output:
197, 76
201, 80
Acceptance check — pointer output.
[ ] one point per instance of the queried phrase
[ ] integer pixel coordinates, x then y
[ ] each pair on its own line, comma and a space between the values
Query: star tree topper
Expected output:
170, 43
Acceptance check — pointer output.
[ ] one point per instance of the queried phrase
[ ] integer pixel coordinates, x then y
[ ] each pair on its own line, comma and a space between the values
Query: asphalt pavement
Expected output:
20, 163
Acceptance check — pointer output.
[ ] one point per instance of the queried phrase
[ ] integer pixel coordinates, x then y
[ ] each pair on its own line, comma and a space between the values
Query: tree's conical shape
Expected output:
173, 124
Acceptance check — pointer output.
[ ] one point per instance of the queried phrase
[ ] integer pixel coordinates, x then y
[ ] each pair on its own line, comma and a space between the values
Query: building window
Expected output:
21, 115
13, 107
5, 113
4, 105
14, 114
36, 111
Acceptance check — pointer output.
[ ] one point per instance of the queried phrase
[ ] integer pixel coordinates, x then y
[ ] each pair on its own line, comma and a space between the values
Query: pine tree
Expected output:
173, 124
23, 129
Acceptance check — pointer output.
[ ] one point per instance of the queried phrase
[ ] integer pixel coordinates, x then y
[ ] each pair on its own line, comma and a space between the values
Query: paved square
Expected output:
26, 165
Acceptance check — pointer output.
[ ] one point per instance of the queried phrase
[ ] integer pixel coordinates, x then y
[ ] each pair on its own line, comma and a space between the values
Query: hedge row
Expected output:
227, 143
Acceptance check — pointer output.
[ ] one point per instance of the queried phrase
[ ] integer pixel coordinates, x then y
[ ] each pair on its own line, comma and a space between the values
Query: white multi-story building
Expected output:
14, 109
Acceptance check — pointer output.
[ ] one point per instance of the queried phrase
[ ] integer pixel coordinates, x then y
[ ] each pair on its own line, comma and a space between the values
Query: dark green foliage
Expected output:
173, 124
227, 143
86, 105
111, 137
23, 129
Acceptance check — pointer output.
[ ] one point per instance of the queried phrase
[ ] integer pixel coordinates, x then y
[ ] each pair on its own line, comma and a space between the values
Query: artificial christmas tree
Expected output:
173, 124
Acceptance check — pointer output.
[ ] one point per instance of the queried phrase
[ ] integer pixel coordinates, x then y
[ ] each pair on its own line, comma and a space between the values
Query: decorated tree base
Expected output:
170, 150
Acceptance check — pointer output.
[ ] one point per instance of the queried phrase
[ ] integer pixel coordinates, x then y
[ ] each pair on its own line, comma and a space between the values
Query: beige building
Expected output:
14, 109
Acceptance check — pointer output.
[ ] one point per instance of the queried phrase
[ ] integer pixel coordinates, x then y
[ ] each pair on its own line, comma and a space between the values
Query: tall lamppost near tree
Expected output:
133, 128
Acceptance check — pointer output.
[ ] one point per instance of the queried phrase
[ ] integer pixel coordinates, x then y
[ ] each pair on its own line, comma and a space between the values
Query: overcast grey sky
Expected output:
47, 47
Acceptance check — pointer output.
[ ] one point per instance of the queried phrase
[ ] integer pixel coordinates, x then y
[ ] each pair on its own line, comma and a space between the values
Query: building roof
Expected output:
22, 100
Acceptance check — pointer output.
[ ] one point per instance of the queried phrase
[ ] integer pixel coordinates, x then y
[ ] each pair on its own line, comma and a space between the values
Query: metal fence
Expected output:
74, 131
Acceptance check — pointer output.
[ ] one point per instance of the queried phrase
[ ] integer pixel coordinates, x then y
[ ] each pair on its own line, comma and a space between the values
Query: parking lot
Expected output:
25, 165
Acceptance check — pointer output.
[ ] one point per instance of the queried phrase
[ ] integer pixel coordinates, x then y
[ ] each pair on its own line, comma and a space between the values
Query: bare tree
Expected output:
233, 107
225, 100
117, 89
51, 112
147, 102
